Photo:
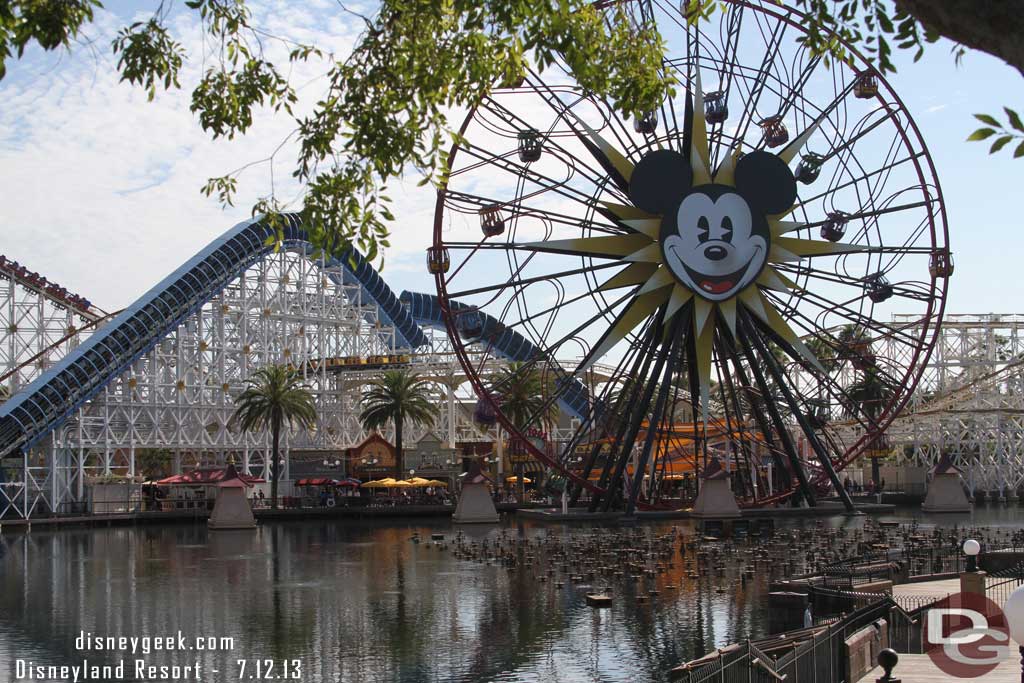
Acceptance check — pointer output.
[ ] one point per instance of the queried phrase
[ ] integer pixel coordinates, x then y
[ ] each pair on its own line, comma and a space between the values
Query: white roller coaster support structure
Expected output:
970, 404
180, 396
34, 320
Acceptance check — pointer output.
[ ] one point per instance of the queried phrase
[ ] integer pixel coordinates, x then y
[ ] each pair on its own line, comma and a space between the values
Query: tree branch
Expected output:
991, 26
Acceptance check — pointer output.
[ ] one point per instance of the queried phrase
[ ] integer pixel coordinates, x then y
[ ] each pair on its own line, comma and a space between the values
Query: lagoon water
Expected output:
355, 602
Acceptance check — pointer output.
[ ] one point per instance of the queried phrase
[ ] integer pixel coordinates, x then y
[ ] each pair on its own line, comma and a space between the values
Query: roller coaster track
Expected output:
38, 284
505, 343
94, 322
36, 410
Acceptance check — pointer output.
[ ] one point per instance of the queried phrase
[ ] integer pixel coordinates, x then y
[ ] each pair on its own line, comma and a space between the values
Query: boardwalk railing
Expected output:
905, 617
811, 655
1000, 585
890, 565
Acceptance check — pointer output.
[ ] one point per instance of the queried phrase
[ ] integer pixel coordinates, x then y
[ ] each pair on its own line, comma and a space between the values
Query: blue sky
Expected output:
101, 187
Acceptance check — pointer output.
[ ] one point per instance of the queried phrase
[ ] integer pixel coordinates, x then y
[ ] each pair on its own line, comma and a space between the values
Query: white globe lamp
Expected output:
1014, 612
971, 549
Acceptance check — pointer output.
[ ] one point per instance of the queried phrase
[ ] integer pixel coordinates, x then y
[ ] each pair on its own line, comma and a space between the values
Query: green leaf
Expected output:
980, 134
1019, 152
1000, 143
1014, 119
989, 120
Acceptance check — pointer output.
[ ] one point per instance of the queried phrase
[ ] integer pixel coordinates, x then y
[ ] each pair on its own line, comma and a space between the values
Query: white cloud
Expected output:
101, 187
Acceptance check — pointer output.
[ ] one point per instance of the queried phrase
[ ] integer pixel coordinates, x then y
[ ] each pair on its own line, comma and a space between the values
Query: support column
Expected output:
451, 411
24, 479
973, 582
54, 473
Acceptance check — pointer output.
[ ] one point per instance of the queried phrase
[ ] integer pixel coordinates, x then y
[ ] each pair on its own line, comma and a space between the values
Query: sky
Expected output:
99, 188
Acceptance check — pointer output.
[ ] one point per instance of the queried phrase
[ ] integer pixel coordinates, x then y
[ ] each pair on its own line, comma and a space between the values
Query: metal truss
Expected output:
40, 321
970, 405
179, 396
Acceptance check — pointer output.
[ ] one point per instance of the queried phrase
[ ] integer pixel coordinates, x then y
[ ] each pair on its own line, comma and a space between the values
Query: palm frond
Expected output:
398, 394
274, 394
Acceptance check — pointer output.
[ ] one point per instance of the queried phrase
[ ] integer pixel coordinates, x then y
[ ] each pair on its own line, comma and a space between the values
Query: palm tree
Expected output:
399, 396
855, 346
826, 355
524, 394
867, 396
274, 395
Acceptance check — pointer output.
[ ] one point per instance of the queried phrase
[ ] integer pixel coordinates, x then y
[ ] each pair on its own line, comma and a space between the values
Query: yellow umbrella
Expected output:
435, 482
380, 483
400, 484
515, 479
418, 481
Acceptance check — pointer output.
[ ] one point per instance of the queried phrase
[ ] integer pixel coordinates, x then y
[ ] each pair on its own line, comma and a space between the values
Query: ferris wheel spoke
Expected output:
861, 283
780, 427
578, 164
842, 310
848, 144
640, 411
746, 323
756, 411
544, 183
874, 213
574, 223
751, 103
611, 160
855, 180
601, 423
518, 282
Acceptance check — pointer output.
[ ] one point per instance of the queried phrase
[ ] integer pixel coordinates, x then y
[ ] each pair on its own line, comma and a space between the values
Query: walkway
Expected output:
920, 669
932, 589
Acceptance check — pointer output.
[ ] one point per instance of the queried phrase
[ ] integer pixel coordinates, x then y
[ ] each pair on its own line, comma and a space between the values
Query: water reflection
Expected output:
357, 603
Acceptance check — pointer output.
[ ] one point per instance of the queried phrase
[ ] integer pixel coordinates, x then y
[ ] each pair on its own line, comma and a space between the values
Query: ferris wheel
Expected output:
706, 283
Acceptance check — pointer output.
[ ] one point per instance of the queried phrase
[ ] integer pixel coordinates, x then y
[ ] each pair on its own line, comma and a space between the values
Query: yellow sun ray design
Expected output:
660, 287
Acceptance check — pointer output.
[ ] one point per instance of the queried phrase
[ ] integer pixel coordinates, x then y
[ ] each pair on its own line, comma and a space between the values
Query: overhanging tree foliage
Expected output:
387, 104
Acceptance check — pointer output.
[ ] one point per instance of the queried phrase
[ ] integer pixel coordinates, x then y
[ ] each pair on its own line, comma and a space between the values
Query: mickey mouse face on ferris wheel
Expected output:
714, 237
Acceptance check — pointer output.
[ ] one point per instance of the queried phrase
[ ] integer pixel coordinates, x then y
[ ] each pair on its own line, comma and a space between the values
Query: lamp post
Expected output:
972, 580
1014, 612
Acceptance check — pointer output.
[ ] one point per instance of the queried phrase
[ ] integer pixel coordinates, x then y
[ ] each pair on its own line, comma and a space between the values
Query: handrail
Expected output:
764, 667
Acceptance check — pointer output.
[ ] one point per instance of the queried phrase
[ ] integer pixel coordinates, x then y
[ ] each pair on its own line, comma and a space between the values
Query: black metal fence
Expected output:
999, 585
893, 565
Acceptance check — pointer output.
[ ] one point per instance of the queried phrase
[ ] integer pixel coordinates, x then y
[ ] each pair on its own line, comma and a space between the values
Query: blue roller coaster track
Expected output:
44, 404
505, 343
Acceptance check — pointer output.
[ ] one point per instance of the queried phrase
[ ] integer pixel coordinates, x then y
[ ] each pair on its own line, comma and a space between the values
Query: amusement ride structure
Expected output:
751, 277
730, 254
162, 373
